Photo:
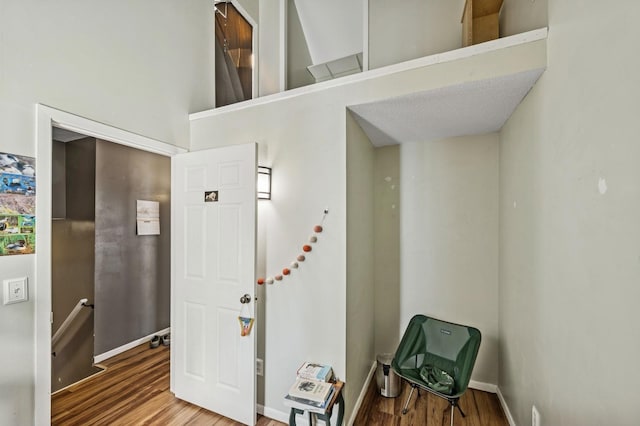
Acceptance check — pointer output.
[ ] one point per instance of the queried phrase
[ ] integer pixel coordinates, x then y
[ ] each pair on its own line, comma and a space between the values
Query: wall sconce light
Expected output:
264, 183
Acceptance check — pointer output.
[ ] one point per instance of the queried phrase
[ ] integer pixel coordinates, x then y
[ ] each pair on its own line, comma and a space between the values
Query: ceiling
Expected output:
63, 135
475, 107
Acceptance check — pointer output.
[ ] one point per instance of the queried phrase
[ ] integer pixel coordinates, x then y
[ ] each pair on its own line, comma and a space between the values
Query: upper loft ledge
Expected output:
443, 75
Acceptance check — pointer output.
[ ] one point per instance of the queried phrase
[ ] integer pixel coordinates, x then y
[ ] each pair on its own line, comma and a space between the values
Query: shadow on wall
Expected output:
387, 248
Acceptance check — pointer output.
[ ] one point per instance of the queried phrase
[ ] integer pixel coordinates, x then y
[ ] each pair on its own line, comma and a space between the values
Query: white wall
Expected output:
16, 357
332, 28
305, 312
271, 64
399, 31
518, 16
302, 136
570, 203
114, 62
449, 238
298, 55
360, 324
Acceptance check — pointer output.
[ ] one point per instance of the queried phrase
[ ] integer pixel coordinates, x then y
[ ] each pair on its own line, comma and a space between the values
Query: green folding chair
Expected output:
431, 353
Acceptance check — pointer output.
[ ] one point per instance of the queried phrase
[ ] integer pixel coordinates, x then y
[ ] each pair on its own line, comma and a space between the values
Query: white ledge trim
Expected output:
452, 55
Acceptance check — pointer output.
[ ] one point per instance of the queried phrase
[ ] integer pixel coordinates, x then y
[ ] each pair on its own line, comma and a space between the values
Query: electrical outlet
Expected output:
535, 416
259, 367
15, 290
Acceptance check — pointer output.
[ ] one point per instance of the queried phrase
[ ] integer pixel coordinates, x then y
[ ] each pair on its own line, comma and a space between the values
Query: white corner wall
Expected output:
386, 264
449, 238
113, 62
360, 325
519, 16
569, 209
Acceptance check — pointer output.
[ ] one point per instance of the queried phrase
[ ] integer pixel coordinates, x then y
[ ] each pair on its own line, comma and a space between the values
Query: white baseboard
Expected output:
505, 407
486, 387
102, 370
274, 414
363, 393
113, 352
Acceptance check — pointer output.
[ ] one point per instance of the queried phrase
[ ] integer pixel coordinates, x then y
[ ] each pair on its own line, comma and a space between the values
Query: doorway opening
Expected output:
234, 54
47, 119
110, 278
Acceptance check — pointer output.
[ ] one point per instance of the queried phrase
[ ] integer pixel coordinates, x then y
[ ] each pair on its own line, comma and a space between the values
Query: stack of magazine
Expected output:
313, 388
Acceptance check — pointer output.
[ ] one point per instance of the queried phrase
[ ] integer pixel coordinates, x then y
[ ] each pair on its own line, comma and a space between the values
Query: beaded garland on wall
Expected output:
306, 249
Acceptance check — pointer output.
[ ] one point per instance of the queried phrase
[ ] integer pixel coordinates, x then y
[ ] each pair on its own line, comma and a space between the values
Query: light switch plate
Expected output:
15, 290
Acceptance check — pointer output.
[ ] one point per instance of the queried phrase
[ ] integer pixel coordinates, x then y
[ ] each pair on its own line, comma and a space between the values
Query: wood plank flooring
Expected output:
481, 409
134, 390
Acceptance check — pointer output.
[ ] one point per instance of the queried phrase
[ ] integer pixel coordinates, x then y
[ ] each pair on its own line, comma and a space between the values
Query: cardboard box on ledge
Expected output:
480, 21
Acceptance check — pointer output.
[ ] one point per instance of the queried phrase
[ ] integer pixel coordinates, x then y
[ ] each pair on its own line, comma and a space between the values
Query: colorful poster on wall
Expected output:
17, 204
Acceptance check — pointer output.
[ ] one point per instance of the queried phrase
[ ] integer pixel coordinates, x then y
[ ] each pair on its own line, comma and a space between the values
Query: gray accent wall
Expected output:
72, 259
132, 276
97, 254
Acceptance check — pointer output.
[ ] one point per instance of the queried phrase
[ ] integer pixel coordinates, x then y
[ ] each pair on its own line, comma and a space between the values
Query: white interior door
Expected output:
213, 254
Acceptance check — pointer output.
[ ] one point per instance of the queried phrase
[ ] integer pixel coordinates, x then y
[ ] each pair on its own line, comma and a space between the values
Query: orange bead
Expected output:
286, 271
260, 281
306, 248
317, 228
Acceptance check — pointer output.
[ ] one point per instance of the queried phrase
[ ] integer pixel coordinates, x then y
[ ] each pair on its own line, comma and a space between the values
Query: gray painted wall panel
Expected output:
72, 259
72, 280
132, 276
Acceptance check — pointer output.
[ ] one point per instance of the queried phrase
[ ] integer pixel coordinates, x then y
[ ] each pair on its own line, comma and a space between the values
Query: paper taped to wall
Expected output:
148, 217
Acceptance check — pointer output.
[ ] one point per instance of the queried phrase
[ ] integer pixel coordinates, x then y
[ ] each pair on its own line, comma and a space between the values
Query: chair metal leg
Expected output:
461, 412
452, 411
406, 404
454, 403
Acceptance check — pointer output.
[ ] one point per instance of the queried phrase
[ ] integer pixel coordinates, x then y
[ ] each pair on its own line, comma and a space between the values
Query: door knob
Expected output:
245, 299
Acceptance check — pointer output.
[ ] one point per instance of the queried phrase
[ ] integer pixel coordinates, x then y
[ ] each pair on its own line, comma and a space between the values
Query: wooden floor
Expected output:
134, 390
481, 409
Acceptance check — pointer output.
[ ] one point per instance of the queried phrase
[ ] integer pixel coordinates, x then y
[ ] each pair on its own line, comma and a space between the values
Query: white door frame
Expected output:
46, 118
